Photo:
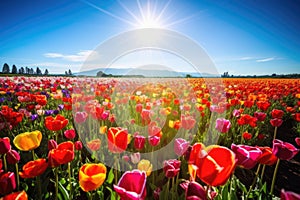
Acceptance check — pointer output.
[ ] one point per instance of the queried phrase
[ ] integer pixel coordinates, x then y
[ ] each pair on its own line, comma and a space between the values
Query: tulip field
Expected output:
134, 138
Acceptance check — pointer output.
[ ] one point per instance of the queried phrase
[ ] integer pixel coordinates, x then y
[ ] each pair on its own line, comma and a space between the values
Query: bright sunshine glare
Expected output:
146, 15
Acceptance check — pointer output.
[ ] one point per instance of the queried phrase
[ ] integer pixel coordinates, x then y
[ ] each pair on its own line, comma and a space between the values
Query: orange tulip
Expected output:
117, 139
267, 157
91, 176
56, 123
214, 164
28, 141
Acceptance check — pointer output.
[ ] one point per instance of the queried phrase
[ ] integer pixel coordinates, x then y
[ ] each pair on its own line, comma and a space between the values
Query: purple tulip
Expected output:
180, 146
171, 167
49, 112
60, 106
4, 145
195, 191
223, 125
284, 150
286, 195
52, 144
247, 156
12, 157
7, 182
132, 185
139, 142
34, 117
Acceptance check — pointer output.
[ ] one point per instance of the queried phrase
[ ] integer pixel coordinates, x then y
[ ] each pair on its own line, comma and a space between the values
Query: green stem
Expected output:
262, 172
56, 183
254, 181
173, 187
4, 163
70, 181
17, 177
116, 170
230, 186
274, 176
167, 189
90, 195
275, 132
33, 154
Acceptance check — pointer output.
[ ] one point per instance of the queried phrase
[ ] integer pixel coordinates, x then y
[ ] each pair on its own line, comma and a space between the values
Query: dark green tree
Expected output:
5, 69
46, 72
38, 71
14, 69
21, 70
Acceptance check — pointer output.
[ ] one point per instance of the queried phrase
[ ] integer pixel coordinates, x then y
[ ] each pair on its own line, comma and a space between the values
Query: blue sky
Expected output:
241, 37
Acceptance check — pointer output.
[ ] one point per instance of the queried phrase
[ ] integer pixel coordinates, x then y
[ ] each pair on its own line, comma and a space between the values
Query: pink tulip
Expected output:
80, 117
286, 195
154, 140
132, 185
78, 145
223, 125
247, 156
180, 146
70, 134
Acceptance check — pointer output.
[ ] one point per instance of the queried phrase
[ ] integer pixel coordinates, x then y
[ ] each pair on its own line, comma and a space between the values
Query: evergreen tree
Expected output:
70, 72
5, 69
38, 71
46, 72
14, 69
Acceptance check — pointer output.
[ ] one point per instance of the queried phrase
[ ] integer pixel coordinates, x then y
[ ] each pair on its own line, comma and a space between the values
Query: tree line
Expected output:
27, 70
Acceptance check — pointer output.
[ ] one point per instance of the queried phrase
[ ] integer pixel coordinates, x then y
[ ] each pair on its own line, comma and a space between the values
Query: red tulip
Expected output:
63, 154
7, 182
56, 123
214, 164
247, 156
277, 113
12, 157
139, 142
4, 145
267, 157
132, 185
117, 139
284, 150
34, 168
261, 116
16, 196
247, 119
70, 134
247, 136
276, 122
154, 140
78, 145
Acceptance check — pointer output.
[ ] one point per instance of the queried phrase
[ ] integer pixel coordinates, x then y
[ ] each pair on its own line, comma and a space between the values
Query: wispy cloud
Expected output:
78, 57
246, 58
265, 59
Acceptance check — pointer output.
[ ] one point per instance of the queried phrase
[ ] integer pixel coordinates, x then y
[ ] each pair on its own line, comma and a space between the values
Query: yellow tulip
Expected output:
28, 141
146, 166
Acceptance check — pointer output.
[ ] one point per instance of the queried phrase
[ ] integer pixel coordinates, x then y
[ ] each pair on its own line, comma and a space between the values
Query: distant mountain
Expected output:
142, 72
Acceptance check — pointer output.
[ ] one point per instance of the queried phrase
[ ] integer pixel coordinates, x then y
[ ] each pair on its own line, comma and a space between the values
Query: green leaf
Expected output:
63, 191
110, 176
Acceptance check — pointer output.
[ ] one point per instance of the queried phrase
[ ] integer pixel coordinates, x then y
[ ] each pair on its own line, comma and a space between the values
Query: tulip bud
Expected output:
78, 145
4, 145
139, 142
135, 157
7, 182
154, 140
70, 134
146, 166
12, 157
